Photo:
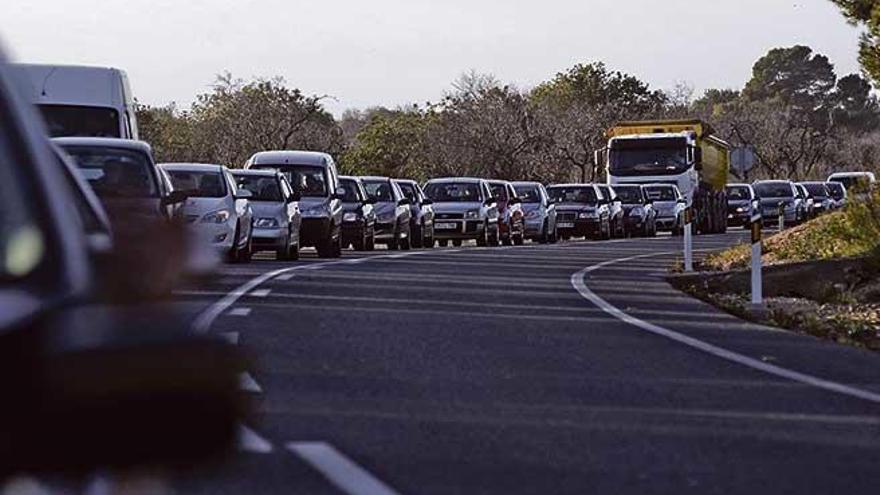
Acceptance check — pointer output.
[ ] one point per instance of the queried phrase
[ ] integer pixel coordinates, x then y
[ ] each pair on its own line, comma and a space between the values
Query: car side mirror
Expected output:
682, 201
404, 202
427, 202
516, 201
175, 197
244, 194
294, 197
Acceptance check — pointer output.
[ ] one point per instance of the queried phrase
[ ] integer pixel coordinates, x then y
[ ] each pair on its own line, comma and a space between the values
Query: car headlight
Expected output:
266, 223
588, 214
315, 211
637, 211
472, 214
741, 210
221, 216
350, 217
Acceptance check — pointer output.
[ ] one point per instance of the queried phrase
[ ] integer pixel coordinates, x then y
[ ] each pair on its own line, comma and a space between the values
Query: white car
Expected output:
856, 183
216, 208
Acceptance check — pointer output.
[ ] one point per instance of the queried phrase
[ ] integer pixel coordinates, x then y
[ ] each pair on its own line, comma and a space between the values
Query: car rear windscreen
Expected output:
79, 121
198, 184
115, 172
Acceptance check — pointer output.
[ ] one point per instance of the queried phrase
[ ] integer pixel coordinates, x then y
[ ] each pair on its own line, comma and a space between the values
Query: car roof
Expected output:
315, 158
852, 174
525, 183
498, 181
456, 179
255, 172
661, 185
192, 167
374, 178
407, 181
99, 142
349, 177
813, 182
774, 181
572, 185
738, 184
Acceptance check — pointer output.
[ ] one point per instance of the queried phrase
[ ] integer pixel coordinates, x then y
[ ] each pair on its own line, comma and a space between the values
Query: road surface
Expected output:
563, 369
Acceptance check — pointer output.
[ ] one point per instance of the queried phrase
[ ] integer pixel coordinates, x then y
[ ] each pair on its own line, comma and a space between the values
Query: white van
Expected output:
853, 179
79, 101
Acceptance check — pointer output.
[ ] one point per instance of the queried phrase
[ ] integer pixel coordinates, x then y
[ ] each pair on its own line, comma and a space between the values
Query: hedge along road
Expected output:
485, 371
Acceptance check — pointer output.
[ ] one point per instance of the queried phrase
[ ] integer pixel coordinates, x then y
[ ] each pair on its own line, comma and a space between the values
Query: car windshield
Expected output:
115, 172
816, 189
263, 188
409, 190
80, 121
198, 184
774, 190
836, 189
309, 180
852, 182
380, 190
648, 157
629, 194
738, 193
453, 192
352, 193
658, 193
578, 195
499, 191
528, 194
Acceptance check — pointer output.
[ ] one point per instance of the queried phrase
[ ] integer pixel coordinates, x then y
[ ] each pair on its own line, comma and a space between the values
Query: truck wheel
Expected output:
456, 243
443, 243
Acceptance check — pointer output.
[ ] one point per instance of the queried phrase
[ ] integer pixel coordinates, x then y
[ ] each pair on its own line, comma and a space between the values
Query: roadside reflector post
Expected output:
689, 239
757, 264
781, 217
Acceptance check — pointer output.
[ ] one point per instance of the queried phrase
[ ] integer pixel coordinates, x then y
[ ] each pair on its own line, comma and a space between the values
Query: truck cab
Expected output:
683, 153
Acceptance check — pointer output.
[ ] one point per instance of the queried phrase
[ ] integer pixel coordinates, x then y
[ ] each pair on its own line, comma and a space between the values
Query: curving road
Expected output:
565, 369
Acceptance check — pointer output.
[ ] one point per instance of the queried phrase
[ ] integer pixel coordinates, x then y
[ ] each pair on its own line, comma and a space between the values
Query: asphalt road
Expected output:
565, 369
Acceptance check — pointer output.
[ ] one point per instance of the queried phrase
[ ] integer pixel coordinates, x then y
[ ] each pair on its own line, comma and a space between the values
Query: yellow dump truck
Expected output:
681, 152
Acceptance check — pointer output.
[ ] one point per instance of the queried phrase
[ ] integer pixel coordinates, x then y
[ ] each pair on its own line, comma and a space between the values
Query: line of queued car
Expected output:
283, 201
795, 202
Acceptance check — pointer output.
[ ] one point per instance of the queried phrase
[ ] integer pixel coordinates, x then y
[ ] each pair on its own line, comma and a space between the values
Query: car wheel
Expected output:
233, 255
405, 242
443, 243
371, 240
417, 236
337, 245
294, 252
456, 243
247, 252
283, 253
360, 244
494, 237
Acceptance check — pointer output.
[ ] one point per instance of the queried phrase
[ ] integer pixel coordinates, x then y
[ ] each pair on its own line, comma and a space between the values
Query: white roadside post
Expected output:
781, 217
689, 239
757, 282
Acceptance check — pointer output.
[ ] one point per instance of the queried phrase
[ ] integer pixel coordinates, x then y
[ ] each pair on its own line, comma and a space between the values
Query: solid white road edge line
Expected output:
578, 281
250, 441
341, 471
248, 384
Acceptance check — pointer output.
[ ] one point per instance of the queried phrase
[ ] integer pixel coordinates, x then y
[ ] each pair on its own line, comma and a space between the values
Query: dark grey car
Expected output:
392, 212
277, 219
359, 215
422, 209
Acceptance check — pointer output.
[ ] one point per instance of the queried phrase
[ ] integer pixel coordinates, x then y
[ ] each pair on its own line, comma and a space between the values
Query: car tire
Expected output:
443, 243
247, 253
456, 243
483, 240
371, 240
406, 242
360, 244
494, 238
283, 253
417, 236
233, 255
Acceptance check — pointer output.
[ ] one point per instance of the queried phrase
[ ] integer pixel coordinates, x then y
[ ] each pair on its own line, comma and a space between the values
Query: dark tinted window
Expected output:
837, 190
774, 190
817, 190
409, 191
664, 193
629, 194
352, 192
309, 180
76, 121
499, 191
738, 193
115, 172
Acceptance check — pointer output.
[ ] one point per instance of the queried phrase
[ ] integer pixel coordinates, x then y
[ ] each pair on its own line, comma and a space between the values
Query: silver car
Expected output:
219, 213
464, 209
277, 218
540, 213
393, 214
779, 196
670, 206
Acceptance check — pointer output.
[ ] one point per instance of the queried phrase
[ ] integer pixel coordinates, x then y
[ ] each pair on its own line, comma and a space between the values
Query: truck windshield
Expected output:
79, 121
639, 157
774, 190
853, 182
579, 195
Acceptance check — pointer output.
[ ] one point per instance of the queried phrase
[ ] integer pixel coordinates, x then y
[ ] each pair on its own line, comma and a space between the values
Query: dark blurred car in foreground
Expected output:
421, 224
92, 389
540, 212
581, 211
359, 215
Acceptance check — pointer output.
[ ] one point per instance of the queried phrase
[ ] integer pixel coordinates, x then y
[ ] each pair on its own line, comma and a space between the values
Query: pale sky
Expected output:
392, 52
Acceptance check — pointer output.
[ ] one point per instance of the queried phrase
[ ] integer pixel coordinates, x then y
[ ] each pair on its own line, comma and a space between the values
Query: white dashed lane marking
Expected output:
339, 470
250, 441
261, 293
241, 312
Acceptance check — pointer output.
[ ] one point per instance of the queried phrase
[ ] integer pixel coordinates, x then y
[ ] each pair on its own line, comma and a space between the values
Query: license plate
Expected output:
446, 226
566, 225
